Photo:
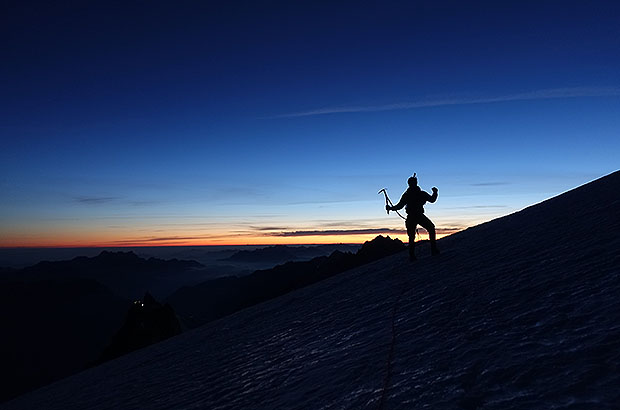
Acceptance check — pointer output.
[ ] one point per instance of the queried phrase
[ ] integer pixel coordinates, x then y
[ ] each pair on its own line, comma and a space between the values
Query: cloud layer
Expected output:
333, 232
373, 231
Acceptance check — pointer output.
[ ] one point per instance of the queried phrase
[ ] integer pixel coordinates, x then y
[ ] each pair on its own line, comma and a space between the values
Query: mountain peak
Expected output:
118, 255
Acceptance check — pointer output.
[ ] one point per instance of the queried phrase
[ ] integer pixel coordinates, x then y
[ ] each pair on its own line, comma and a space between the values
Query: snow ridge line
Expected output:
388, 366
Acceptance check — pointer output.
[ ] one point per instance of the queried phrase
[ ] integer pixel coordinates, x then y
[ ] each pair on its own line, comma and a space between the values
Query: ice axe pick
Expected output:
387, 200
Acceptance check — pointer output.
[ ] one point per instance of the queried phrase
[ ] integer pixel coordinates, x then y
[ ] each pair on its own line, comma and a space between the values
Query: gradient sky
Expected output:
278, 122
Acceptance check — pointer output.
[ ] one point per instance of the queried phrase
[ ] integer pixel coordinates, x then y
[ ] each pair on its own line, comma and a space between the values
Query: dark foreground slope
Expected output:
519, 313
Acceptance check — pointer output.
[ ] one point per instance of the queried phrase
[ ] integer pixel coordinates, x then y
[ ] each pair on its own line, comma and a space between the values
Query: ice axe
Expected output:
388, 202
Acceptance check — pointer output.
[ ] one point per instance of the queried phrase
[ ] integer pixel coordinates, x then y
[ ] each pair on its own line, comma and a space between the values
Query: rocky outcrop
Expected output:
147, 322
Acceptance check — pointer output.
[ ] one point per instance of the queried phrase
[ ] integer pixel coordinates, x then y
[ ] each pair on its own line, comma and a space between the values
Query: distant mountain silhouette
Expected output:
125, 273
147, 322
270, 254
216, 298
285, 253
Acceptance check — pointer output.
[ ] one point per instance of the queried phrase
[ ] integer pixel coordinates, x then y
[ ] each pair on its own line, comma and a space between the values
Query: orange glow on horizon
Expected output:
90, 241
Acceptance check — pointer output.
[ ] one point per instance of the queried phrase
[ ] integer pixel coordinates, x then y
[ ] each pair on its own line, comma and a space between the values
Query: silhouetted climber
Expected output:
414, 199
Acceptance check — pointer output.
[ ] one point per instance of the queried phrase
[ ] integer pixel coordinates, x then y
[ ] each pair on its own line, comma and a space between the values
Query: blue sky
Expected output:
250, 122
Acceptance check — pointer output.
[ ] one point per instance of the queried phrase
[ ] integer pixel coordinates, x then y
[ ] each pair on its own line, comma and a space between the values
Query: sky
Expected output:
208, 123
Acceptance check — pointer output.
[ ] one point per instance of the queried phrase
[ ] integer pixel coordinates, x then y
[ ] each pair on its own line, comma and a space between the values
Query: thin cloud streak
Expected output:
97, 200
490, 184
545, 94
336, 232
268, 228
373, 231
94, 200
478, 207
163, 239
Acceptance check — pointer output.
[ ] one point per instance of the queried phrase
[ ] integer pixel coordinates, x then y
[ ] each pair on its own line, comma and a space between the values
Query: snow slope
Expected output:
522, 312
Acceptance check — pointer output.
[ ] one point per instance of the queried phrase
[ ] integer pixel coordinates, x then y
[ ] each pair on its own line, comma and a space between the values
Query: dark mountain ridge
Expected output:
125, 273
286, 253
147, 322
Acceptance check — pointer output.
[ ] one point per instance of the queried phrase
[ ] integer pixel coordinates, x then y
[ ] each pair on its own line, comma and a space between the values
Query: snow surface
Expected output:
522, 312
